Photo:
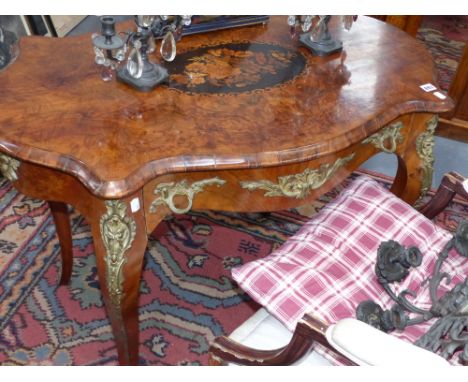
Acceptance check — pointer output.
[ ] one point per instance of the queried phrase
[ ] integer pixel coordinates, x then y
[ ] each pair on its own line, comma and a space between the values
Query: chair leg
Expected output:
308, 331
451, 185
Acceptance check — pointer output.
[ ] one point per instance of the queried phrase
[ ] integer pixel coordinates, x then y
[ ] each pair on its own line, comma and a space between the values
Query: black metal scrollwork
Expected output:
449, 334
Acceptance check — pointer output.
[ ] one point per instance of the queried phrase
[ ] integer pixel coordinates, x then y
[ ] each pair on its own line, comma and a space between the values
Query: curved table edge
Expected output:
118, 188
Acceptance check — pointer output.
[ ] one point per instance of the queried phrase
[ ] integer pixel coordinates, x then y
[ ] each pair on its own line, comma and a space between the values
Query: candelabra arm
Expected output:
437, 275
404, 302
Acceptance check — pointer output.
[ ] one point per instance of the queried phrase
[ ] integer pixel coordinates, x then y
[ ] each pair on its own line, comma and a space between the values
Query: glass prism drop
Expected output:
168, 47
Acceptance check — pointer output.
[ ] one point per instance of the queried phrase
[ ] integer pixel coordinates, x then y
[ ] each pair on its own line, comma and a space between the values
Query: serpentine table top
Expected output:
235, 107
249, 121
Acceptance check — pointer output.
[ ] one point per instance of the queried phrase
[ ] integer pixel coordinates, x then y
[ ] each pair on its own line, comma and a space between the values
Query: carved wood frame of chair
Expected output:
309, 329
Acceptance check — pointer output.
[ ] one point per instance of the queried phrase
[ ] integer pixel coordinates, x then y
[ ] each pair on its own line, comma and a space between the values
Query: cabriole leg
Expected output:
120, 241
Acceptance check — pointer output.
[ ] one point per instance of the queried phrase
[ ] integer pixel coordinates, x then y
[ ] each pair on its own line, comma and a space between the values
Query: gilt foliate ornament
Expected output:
165, 193
387, 139
425, 148
298, 186
118, 232
9, 167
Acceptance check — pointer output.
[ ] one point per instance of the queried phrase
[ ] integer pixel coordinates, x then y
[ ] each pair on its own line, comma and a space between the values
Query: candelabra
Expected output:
134, 48
449, 333
316, 35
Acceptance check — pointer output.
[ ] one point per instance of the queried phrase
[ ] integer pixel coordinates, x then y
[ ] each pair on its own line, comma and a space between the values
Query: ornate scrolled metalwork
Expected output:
394, 261
387, 139
425, 148
166, 192
298, 186
118, 232
449, 334
9, 167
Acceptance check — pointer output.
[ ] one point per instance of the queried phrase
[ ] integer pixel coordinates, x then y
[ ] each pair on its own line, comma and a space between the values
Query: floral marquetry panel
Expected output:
235, 67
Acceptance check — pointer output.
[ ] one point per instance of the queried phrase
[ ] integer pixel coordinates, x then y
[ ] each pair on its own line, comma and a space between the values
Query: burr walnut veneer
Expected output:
249, 121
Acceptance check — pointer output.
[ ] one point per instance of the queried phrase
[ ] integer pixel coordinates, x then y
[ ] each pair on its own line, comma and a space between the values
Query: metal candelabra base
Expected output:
321, 48
152, 76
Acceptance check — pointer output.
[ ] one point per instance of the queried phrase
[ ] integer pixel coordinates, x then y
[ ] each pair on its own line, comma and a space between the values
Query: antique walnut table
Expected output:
249, 122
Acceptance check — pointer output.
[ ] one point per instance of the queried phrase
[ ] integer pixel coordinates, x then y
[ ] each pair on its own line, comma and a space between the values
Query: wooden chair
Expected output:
267, 340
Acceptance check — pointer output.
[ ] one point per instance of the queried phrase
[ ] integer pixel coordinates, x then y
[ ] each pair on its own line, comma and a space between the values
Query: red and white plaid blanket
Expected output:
327, 268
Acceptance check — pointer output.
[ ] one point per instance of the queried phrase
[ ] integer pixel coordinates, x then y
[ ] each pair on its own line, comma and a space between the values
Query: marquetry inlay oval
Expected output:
234, 67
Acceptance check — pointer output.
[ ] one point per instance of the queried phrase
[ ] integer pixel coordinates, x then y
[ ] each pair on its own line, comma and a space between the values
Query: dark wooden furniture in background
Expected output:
249, 122
453, 124
410, 24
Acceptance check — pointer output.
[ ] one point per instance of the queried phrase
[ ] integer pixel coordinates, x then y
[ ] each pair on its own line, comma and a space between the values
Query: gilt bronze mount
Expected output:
166, 192
118, 231
300, 185
425, 148
387, 139
9, 167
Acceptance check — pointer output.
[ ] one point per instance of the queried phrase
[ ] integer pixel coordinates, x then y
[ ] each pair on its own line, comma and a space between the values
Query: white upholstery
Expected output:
358, 341
264, 332
366, 345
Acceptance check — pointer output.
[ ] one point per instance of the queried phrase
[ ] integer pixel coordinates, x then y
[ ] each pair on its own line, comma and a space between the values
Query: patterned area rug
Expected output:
445, 36
187, 296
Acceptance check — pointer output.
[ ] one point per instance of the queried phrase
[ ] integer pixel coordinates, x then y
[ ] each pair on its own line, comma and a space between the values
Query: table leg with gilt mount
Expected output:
418, 157
119, 237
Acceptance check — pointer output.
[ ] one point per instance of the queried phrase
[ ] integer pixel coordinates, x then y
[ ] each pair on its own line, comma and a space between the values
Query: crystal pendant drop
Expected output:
347, 22
318, 31
135, 61
145, 21
186, 20
151, 44
293, 31
307, 24
106, 73
99, 56
168, 47
120, 55
291, 21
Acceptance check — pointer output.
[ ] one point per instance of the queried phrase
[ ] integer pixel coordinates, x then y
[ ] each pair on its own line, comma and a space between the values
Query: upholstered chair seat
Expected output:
328, 267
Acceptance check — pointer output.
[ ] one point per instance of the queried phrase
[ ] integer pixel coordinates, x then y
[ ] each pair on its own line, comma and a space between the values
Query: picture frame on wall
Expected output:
63, 24
23, 25
41, 25
201, 24
17, 24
